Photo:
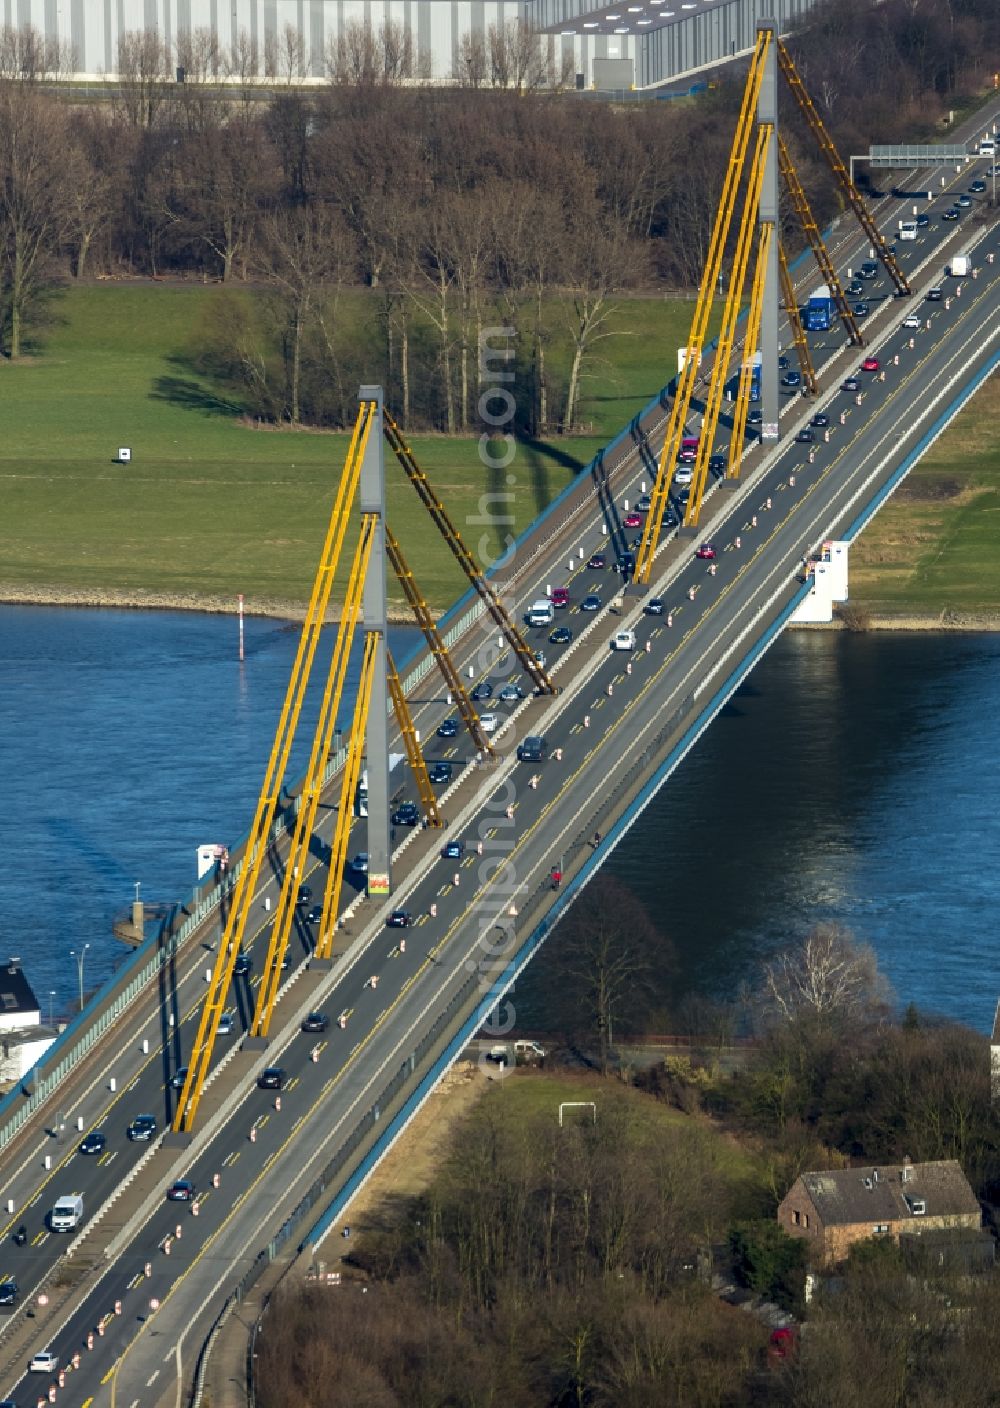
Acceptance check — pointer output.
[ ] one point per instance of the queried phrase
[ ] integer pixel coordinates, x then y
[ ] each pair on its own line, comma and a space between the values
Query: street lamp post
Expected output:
52, 993
79, 967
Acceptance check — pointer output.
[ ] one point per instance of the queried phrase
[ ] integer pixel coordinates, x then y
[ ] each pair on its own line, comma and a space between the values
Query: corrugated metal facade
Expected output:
92, 28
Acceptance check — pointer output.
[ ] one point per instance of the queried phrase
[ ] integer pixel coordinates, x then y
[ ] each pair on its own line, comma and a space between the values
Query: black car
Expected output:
439, 772
243, 964
806, 436
923, 220
934, 295
532, 750
483, 690
755, 418
820, 420
93, 1143
861, 310
654, 606
271, 1078
510, 694
453, 850
597, 561
304, 895
448, 729
399, 919
315, 915
142, 1129
645, 504
792, 379
316, 1022
590, 603
178, 1078
855, 289
869, 269
952, 213
181, 1191
850, 383
717, 464
406, 814
783, 363
8, 1291
562, 635
977, 188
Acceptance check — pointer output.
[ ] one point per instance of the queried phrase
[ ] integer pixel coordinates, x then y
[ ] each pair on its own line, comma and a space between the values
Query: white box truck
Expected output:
907, 229
540, 613
960, 266
67, 1214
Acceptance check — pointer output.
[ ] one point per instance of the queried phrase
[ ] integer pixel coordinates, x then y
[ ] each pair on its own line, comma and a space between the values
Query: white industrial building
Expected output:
23, 1039
610, 47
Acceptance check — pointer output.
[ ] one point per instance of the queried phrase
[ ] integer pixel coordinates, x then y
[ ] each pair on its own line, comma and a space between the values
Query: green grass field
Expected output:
210, 506
935, 548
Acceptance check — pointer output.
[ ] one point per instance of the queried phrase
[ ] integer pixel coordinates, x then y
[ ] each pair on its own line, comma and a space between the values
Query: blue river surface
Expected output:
851, 779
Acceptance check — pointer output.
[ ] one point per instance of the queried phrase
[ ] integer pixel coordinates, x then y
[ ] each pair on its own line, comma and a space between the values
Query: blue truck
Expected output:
817, 315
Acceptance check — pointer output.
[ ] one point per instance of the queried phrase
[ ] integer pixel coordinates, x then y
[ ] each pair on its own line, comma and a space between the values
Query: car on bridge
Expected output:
439, 773
304, 895
315, 915
226, 1024
532, 750
870, 364
360, 863
44, 1363
645, 503
142, 1129
683, 474
861, 310
850, 383
399, 919
792, 379
453, 850
243, 964
590, 603
964, 202
977, 188
315, 1022
869, 269
489, 723
923, 219
448, 729
93, 1143
271, 1078
952, 213
654, 606
855, 289
912, 320
562, 635
178, 1078
706, 552
717, 463
560, 597
597, 561
806, 435
933, 295
181, 1191
755, 418
623, 640
483, 690
820, 420
406, 814
633, 520
8, 1291
510, 694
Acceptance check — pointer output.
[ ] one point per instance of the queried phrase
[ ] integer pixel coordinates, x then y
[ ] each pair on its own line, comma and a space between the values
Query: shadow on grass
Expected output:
541, 457
192, 396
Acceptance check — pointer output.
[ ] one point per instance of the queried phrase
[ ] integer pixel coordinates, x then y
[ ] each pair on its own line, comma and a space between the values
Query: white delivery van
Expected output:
987, 147
960, 266
67, 1214
540, 613
907, 229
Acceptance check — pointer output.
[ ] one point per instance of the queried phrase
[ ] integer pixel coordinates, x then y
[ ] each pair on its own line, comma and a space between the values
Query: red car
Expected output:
560, 596
706, 552
633, 520
870, 364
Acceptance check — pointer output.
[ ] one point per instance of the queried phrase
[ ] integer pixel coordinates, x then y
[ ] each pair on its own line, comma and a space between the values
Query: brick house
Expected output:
839, 1207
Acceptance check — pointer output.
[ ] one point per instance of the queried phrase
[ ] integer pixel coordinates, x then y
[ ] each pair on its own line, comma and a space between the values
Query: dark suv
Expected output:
406, 814
271, 1078
142, 1128
532, 750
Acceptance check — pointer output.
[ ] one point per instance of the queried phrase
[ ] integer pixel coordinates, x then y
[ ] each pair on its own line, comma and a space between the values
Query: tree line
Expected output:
499, 201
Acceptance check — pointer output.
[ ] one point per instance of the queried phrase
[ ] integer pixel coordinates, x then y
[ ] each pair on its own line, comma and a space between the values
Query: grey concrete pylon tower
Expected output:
767, 112
372, 500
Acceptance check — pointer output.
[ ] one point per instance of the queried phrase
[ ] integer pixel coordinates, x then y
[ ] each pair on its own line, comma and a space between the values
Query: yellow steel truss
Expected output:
810, 229
348, 791
415, 757
730, 317
305, 822
826, 145
467, 561
752, 339
703, 307
795, 323
436, 645
246, 884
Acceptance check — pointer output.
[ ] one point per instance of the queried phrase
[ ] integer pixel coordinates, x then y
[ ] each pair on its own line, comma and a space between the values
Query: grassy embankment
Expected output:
209, 506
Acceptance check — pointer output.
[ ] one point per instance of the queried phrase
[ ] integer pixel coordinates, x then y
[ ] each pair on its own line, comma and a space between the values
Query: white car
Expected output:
623, 640
683, 475
488, 723
44, 1363
912, 320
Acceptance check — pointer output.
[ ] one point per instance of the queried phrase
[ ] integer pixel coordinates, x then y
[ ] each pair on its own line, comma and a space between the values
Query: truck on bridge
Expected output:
817, 315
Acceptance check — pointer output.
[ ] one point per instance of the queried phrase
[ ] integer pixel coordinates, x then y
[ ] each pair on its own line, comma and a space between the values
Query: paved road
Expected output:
549, 823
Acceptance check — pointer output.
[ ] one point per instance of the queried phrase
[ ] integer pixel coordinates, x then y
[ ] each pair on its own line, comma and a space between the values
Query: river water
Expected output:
850, 780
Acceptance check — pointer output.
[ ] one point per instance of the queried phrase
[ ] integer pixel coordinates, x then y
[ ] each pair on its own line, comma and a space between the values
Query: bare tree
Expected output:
293, 59
225, 179
361, 56
604, 262
33, 213
29, 57
472, 62
143, 70
516, 57
242, 63
89, 186
828, 975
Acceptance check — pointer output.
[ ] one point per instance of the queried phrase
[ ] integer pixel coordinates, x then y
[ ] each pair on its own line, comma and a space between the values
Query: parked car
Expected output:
142, 1129
272, 1078
181, 1191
